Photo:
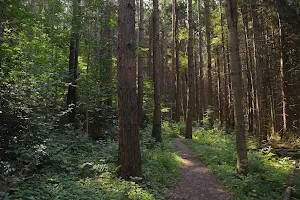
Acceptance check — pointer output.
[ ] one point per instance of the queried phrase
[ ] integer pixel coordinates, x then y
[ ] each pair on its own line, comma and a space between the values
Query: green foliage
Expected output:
160, 165
207, 117
267, 174
148, 103
71, 166
173, 129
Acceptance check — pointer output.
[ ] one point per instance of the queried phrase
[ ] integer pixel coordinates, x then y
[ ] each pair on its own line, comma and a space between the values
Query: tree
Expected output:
129, 146
175, 59
73, 63
207, 17
258, 62
249, 66
190, 100
156, 130
225, 105
220, 100
201, 78
282, 83
236, 67
141, 64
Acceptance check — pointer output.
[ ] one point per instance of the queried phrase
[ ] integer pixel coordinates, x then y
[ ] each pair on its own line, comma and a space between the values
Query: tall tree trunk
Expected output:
164, 57
236, 67
150, 55
208, 49
184, 93
249, 65
129, 138
190, 97
201, 65
196, 81
220, 100
156, 130
173, 74
258, 62
73, 63
177, 64
282, 83
226, 104
230, 97
141, 64
175, 61
108, 51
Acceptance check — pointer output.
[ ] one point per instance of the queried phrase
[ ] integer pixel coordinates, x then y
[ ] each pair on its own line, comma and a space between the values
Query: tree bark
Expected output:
208, 49
150, 56
232, 18
175, 60
156, 130
177, 65
220, 100
249, 66
73, 63
190, 98
129, 138
164, 57
282, 84
196, 81
258, 62
226, 101
201, 65
141, 64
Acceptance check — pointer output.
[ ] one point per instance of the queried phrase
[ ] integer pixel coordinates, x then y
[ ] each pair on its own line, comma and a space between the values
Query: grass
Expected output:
71, 166
268, 174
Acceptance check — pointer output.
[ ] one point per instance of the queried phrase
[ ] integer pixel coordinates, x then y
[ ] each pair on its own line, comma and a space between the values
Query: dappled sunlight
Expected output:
267, 174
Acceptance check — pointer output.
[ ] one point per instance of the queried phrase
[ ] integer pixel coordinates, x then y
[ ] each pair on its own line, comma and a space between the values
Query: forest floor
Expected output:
197, 182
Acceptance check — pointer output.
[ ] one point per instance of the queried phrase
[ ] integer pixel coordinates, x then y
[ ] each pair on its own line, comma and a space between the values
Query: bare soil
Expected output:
197, 182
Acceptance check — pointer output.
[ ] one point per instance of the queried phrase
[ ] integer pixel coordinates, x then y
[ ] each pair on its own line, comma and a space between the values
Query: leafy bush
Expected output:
72, 166
173, 129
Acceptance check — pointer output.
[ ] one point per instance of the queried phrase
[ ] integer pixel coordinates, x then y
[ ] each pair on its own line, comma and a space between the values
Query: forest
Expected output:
104, 99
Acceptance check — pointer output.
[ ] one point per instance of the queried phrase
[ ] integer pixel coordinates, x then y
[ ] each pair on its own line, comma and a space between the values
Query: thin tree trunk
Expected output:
108, 52
184, 93
249, 65
226, 104
258, 61
190, 97
208, 49
164, 58
156, 130
129, 138
73, 63
201, 65
175, 60
197, 92
150, 56
141, 64
232, 18
282, 83
220, 101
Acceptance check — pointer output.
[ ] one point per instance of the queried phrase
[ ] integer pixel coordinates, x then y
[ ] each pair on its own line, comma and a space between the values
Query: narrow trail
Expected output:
197, 182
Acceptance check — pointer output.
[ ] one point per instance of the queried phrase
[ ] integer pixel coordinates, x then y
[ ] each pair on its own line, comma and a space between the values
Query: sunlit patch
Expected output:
188, 163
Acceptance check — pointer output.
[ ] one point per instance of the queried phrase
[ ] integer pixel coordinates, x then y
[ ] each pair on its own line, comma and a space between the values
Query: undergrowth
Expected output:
71, 166
267, 176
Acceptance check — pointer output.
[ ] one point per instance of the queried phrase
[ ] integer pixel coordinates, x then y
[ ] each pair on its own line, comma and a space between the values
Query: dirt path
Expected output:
196, 181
